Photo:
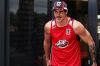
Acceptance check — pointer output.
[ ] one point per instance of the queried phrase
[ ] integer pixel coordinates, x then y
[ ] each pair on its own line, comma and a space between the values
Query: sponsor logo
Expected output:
62, 43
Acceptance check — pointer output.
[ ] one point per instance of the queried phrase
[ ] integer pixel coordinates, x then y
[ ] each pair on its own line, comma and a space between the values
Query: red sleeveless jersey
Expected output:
65, 46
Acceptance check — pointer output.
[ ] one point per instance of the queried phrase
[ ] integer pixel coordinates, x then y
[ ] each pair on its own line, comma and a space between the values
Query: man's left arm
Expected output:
87, 38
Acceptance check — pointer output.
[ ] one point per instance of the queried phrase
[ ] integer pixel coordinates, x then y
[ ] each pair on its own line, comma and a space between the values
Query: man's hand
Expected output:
94, 64
48, 63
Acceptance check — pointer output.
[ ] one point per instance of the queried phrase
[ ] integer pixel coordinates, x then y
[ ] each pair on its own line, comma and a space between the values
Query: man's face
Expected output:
59, 14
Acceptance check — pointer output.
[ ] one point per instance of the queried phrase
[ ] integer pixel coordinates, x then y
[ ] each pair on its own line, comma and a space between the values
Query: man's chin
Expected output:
59, 21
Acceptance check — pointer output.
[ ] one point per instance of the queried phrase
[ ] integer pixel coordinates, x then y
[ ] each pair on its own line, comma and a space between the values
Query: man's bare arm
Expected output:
87, 38
47, 47
92, 51
47, 41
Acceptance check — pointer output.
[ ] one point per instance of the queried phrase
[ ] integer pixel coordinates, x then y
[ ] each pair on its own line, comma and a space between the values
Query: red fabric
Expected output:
70, 54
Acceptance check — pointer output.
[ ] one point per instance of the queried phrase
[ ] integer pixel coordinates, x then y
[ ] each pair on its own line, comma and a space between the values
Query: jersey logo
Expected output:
62, 43
68, 31
58, 4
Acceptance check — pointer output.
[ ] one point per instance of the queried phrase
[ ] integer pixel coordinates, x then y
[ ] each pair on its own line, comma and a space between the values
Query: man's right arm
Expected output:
47, 42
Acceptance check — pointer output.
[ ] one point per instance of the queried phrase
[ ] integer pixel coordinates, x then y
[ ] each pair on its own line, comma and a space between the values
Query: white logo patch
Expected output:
62, 43
58, 3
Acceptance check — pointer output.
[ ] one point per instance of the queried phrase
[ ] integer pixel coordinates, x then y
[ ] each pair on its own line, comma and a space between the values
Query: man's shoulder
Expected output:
76, 23
78, 26
47, 24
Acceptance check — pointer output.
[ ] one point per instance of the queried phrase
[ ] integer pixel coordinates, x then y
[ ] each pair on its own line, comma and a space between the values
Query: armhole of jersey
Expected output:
77, 37
71, 22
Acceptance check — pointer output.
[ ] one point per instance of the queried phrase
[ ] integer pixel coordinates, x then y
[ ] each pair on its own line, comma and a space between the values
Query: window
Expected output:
27, 18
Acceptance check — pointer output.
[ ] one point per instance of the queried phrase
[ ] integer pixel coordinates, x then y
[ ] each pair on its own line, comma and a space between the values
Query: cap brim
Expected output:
60, 8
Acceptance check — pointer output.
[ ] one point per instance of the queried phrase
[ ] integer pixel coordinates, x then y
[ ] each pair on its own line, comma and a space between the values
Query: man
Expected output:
63, 32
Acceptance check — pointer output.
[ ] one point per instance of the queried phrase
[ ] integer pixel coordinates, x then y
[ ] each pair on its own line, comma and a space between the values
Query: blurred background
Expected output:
22, 27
